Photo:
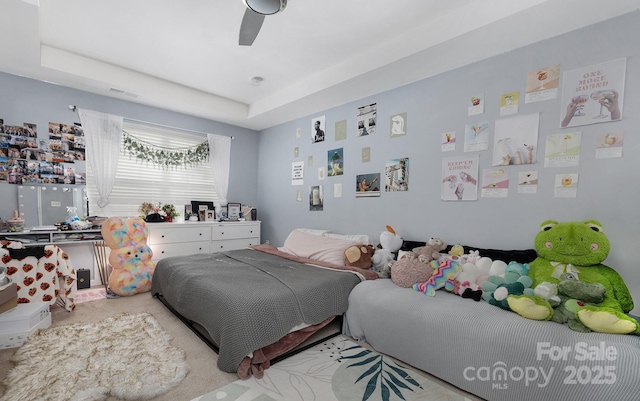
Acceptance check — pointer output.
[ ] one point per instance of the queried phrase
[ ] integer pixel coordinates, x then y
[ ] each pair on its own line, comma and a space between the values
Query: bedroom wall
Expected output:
24, 100
607, 189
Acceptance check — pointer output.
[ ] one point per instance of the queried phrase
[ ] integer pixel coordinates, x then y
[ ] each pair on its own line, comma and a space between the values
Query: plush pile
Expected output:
128, 356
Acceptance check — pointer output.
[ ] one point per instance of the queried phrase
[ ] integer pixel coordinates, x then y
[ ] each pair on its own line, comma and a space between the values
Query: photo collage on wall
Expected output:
24, 158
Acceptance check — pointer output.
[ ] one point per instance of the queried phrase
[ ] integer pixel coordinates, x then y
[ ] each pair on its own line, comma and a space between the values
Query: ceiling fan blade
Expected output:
251, 24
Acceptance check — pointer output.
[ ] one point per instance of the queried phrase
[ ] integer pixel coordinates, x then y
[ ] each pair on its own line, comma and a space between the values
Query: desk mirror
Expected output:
44, 205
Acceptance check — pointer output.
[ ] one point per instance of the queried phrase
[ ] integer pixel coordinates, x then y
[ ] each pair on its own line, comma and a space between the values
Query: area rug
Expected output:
336, 370
128, 356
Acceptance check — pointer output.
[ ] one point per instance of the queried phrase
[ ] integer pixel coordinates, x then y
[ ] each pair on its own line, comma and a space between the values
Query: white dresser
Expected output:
177, 239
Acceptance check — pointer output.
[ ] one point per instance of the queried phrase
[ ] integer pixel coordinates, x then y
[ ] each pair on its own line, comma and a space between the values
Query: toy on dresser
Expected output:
130, 255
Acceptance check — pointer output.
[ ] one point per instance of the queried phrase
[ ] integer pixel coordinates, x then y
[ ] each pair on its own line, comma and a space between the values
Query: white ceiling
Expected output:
316, 54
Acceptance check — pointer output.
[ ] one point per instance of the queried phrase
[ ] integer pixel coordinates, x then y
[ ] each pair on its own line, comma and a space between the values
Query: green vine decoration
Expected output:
162, 156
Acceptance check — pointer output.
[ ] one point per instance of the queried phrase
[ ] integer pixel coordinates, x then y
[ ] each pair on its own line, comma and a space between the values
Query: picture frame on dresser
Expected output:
210, 215
233, 211
197, 206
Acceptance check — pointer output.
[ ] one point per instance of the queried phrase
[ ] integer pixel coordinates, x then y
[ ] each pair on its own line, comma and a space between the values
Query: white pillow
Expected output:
359, 238
316, 247
313, 231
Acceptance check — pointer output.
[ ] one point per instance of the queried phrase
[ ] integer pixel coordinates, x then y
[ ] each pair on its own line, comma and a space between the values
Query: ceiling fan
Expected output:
254, 17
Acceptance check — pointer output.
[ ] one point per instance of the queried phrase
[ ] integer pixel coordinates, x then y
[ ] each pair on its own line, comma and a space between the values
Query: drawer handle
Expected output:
200, 248
163, 236
200, 234
162, 252
222, 233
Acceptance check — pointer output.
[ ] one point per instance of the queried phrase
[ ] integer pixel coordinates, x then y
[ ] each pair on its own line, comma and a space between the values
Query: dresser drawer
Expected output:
231, 244
177, 234
231, 231
161, 251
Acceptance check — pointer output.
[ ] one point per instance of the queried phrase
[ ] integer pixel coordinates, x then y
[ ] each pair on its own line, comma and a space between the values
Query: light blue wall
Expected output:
25, 100
607, 190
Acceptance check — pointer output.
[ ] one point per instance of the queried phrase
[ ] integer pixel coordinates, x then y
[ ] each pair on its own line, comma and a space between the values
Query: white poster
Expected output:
297, 173
593, 94
563, 150
495, 183
609, 145
459, 178
528, 182
476, 137
515, 140
566, 186
542, 84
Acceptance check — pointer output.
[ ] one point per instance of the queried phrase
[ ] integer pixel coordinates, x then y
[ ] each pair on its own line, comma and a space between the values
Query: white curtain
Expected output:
103, 133
220, 159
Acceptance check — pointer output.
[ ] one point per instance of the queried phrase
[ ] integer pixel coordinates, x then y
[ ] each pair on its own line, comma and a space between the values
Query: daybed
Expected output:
490, 352
255, 304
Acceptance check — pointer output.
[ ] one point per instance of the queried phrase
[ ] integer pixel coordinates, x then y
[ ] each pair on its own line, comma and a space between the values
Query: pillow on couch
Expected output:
515, 255
316, 247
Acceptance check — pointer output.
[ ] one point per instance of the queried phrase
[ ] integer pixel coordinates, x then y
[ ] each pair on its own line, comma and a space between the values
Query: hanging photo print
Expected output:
367, 185
397, 175
317, 129
367, 119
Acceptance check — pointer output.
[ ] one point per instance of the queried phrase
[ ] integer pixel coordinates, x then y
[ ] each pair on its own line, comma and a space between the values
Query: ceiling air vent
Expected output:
122, 93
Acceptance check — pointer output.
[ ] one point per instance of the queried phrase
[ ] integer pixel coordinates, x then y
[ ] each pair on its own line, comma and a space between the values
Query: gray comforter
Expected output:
495, 354
247, 299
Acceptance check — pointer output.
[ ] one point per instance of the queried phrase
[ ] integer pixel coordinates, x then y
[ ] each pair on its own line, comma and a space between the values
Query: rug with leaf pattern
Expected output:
337, 369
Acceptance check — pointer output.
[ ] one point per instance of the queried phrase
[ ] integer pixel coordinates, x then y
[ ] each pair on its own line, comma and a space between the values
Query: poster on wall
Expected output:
528, 182
335, 162
316, 198
609, 145
476, 137
495, 183
476, 104
397, 175
367, 185
317, 129
459, 178
509, 103
297, 173
542, 84
398, 125
366, 119
593, 94
515, 140
566, 186
449, 141
563, 150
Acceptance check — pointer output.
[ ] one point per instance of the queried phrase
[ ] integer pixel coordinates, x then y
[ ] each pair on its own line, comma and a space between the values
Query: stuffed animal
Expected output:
409, 270
431, 250
466, 283
577, 248
382, 261
575, 295
444, 270
514, 281
130, 256
359, 256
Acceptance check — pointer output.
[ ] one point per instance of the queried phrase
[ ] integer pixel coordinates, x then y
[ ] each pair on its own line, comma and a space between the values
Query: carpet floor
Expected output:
204, 376
336, 370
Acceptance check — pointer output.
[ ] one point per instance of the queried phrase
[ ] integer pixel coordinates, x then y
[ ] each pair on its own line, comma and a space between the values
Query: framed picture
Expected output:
233, 211
210, 215
187, 211
202, 214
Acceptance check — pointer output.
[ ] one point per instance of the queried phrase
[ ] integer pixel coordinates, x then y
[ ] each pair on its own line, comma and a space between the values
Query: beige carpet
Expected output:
204, 376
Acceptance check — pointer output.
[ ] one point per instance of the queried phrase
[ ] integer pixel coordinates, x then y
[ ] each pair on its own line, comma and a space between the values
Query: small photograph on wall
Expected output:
31, 130
509, 103
495, 183
367, 185
397, 175
528, 182
563, 150
341, 130
335, 162
317, 129
398, 125
476, 104
316, 198
366, 119
449, 141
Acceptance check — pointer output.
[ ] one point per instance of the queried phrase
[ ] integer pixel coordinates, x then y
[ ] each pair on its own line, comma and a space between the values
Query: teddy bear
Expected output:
130, 256
359, 256
410, 269
578, 248
431, 250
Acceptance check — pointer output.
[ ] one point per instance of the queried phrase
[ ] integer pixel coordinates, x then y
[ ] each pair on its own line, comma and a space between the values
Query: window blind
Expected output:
138, 182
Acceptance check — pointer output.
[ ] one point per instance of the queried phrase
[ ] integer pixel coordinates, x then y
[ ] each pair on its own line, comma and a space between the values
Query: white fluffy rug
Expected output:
128, 356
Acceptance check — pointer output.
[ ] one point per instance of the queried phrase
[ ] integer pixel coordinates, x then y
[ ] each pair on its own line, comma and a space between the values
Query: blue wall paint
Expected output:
607, 189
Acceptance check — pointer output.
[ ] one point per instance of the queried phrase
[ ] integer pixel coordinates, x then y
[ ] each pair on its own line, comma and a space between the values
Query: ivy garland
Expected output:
165, 157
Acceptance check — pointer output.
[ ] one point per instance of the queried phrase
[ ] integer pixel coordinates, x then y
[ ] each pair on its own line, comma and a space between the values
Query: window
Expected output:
138, 181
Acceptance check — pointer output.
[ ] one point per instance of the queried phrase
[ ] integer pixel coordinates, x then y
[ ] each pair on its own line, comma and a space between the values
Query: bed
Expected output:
258, 303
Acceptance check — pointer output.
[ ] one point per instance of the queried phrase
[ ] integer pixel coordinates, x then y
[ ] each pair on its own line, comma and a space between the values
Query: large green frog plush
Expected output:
578, 248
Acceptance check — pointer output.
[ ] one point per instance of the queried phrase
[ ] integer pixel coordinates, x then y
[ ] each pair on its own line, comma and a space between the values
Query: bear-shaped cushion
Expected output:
130, 256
